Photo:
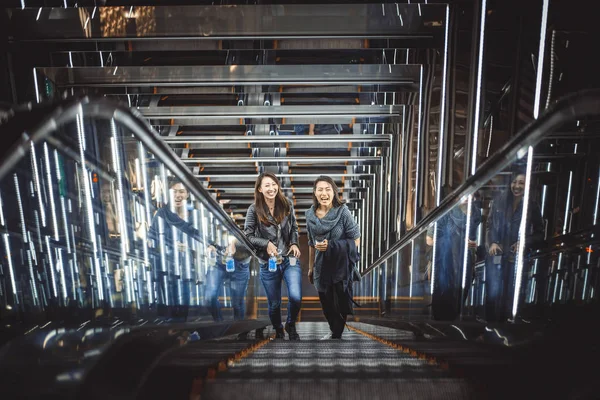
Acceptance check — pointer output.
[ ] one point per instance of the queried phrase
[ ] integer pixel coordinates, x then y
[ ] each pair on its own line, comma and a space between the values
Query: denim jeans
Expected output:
499, 282
238, 284
292, 275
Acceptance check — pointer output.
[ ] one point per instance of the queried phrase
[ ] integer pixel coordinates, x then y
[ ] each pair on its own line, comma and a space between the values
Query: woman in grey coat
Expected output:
331, 229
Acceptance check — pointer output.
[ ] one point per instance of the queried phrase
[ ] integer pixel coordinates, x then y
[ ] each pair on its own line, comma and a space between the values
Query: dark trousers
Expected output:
335, 308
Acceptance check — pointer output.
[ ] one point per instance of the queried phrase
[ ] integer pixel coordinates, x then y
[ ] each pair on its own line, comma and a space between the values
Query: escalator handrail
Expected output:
577, 105
101, 107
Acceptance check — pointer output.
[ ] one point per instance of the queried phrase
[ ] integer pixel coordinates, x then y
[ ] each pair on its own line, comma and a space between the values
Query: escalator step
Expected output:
351, 368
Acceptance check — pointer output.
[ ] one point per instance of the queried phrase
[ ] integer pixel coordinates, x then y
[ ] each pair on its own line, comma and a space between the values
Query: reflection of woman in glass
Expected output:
335, 235
108, 200
237, 281
447, 298
502, 240
171, 243
271, 227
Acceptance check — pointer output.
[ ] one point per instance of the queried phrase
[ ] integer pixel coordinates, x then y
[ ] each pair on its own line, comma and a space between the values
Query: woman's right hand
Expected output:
310, 277
211, 249
272, 249
495, 249
322, 246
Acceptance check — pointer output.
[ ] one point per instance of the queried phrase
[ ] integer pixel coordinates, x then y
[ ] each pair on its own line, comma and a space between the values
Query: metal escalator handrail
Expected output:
133, 120
574, 106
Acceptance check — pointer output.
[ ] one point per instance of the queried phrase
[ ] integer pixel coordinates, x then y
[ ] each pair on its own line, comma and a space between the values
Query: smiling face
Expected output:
517, 186
180, 195
324, 194
269, 189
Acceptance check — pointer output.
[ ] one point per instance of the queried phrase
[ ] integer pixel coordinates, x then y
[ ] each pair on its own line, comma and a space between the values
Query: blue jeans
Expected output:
499, 280
238, 284
292, 275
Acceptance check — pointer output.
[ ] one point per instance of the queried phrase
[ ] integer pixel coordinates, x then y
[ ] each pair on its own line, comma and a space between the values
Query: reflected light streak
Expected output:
51, 266
61, 273
11, 269
478, 86
34, 292
163, 260
540, 66
120, 191
397, 278
35, 82
412, 268
36, 217
442, 109
589, 257
433, 257
21, 211
63, 206
36, 181
2, 222
568, 204
204, 240
418, 161
522, 233
597, 199
585, 283
88, 206
50, 184
467, 231
460, 330
175, 235
49, 336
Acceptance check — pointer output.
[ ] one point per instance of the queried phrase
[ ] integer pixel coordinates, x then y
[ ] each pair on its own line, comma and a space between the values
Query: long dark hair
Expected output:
336, 192
282, 207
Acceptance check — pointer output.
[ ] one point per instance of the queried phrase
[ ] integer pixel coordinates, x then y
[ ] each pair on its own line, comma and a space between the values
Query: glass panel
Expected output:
483, 258
97, 231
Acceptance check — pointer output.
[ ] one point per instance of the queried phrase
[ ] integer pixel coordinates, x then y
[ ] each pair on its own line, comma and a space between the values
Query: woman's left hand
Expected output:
295, 251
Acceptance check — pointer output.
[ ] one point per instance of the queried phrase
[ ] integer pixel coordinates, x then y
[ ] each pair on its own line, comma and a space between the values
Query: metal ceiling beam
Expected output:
350, 138
189, 53
124, 89
292, 190
337, 160
383, 112
228, 22
242, 75
299, 177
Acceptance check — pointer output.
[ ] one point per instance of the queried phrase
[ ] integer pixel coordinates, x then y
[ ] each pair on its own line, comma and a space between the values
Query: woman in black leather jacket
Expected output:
272, 228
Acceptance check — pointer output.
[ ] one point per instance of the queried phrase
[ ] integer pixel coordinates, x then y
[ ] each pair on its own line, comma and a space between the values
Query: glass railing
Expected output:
104, 231
516, 242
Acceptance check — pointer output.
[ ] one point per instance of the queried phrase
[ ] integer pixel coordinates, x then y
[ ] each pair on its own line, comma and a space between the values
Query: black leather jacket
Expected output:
260, 234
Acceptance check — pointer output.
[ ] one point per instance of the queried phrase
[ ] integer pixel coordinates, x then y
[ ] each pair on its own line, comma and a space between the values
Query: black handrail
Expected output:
135, 121
578, 105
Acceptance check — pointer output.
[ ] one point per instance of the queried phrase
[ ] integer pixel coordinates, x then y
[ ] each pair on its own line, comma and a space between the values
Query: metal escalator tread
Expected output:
355, 367
174, 374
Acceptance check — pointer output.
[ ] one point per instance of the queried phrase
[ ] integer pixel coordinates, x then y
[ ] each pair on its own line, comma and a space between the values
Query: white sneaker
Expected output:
327, 337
